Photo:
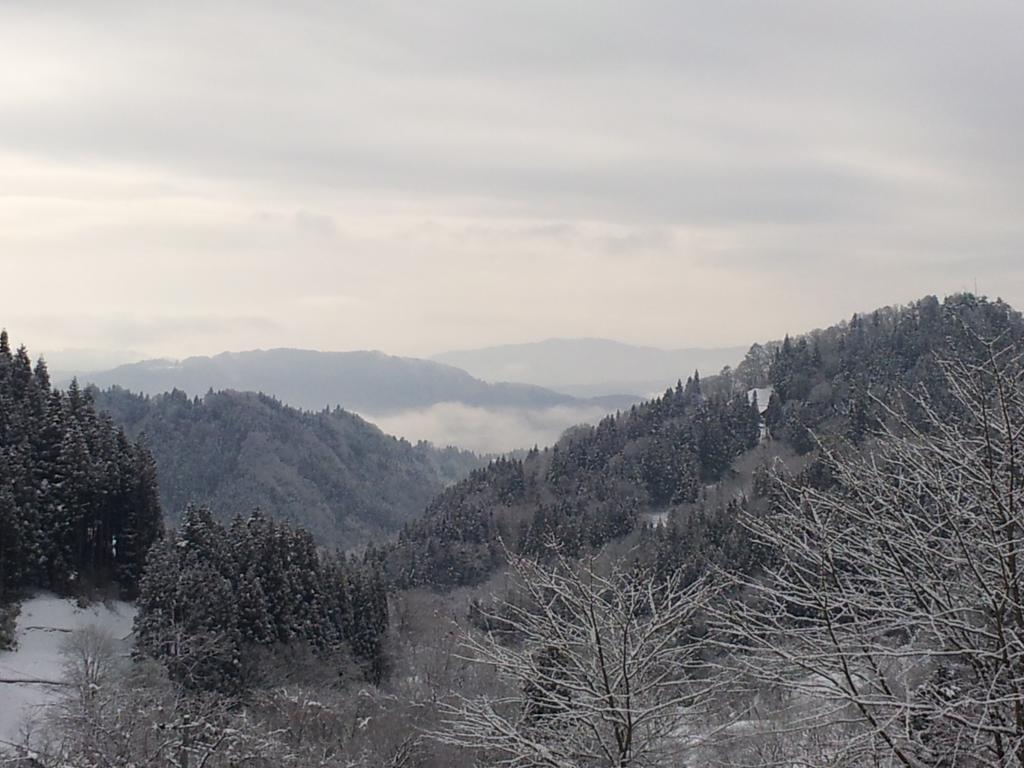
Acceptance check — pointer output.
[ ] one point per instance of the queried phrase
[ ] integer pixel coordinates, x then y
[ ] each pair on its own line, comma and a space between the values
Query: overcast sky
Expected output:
184, 178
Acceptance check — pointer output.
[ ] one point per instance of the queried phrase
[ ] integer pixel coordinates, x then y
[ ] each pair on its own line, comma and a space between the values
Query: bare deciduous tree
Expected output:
117, 713
91, 655
894, 602
601, 670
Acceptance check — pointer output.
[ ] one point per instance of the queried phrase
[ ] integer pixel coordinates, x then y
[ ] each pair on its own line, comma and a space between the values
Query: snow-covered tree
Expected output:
894, 597
602, 670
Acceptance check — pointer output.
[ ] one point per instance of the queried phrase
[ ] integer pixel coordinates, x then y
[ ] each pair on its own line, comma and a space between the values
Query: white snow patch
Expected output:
656, 519
44, 623
764, 394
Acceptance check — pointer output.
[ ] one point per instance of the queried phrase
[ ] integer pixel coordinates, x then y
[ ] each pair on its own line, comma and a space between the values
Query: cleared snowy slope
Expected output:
763, 394
29, 672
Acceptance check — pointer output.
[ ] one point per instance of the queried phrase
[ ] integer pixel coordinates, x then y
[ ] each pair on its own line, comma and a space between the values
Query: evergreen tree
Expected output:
67, 515
70, 515
270, 587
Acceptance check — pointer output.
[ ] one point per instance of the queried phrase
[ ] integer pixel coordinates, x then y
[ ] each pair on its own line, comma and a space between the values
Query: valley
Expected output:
511, 384
248, 590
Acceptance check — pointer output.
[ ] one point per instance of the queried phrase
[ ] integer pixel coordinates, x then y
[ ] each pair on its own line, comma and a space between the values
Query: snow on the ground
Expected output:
764, 394
656, 518
44, 623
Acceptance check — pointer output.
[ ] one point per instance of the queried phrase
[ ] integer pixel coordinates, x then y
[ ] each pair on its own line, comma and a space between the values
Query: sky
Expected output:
187, 178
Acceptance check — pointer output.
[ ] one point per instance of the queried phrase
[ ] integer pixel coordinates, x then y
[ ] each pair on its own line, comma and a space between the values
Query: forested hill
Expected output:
830, 381
597, 483
329, 472
588, 489
366, 382
78, 499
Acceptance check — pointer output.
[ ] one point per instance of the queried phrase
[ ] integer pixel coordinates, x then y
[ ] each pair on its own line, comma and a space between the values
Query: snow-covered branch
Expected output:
896, 592
602, 669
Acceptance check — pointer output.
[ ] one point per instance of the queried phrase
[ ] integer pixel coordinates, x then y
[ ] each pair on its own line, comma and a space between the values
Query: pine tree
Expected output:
254, 625
65, 486
270, 587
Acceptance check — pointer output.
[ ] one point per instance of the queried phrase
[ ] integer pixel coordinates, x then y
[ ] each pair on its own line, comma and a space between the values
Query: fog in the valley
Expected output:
486, 430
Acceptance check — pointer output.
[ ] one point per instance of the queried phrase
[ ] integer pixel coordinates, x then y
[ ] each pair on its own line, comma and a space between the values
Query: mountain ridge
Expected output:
668, 457
365, 381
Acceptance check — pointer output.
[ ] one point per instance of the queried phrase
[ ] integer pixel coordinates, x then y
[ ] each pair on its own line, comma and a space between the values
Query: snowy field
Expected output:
27, 673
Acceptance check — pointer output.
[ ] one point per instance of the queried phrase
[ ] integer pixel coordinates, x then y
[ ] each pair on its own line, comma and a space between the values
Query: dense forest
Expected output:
329, 472
588, 489
601, 483
79, 505
212, 597
836, 381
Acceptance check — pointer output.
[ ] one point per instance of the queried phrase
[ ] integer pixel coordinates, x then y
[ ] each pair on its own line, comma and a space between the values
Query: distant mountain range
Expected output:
591, 367
366, 382
64, 364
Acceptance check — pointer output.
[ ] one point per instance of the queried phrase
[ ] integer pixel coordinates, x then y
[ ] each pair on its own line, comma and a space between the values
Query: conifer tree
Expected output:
270, 587
69, 516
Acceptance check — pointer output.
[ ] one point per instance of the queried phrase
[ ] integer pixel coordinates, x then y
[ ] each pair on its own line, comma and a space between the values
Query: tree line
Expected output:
585, 491
80, 514
595, 484
214, 595
79, 503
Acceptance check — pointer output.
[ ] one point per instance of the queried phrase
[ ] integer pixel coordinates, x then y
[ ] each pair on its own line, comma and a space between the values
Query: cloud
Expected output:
316, 224
118, 330
710, 114
486, 430
483, 173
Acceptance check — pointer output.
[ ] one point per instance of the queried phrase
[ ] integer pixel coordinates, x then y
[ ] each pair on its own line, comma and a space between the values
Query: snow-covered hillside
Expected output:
28, 673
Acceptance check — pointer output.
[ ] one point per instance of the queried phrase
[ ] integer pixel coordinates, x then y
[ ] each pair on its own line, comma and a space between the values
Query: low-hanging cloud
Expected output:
486, 430
121, 330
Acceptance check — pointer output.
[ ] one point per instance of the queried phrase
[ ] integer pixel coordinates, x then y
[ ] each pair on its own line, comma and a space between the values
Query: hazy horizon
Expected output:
416, 180
93, 360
